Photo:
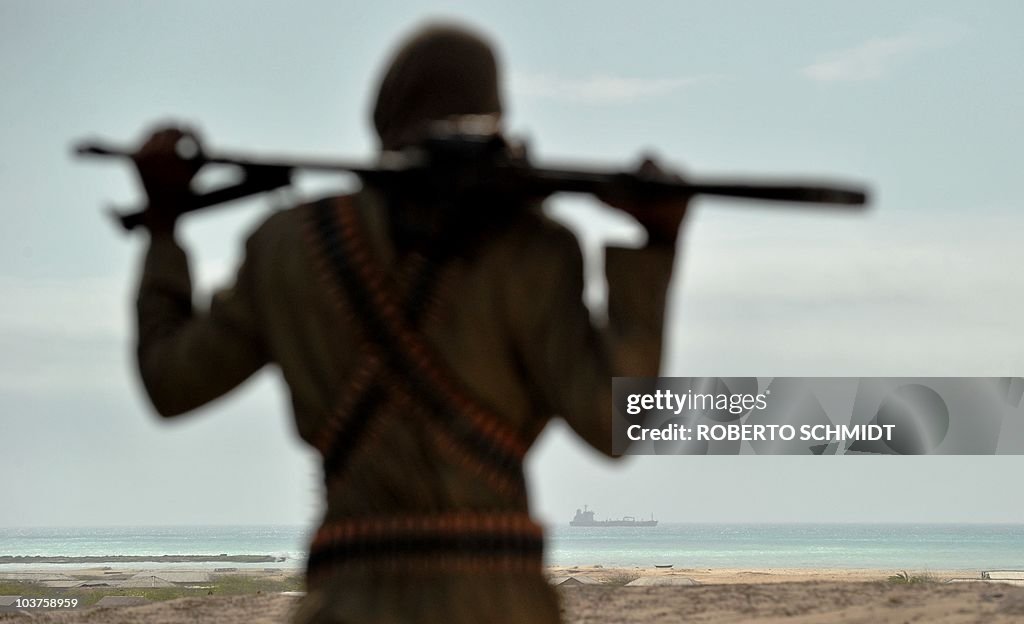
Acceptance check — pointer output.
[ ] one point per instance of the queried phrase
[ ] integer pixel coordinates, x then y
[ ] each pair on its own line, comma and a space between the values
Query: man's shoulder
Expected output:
531, 236
284, 226
536, 233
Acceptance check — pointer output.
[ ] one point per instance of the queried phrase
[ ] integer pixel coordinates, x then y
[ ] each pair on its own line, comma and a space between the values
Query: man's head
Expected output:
440, 71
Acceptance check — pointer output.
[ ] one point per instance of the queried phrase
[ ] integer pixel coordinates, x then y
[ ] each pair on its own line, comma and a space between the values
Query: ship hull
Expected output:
615, 523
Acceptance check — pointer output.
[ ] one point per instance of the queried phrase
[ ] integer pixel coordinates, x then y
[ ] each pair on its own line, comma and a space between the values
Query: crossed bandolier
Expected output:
401, 375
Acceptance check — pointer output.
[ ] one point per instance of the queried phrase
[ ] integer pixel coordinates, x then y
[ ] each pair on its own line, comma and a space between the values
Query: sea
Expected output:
883, 546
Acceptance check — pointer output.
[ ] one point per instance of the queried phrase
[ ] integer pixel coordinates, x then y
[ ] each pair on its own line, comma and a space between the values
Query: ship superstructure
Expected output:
585, 518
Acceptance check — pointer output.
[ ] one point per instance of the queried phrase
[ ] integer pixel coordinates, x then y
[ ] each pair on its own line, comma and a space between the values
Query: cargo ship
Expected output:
585, 518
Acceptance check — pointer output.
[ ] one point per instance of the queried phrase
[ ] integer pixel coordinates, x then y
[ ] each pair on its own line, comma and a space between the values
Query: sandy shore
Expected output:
718, 596
749, 576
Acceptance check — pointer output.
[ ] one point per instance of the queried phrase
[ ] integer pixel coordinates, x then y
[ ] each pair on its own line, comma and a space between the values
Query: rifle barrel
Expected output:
598, 182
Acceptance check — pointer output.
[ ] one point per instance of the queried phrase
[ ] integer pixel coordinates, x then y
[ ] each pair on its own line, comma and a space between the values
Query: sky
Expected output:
921, 100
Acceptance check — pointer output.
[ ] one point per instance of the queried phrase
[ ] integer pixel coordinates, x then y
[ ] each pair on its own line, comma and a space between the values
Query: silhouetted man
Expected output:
424, 354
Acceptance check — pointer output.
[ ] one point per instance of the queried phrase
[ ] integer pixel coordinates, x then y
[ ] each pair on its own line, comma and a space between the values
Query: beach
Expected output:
588, 594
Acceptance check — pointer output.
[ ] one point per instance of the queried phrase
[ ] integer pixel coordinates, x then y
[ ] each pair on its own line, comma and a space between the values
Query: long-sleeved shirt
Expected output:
508, 323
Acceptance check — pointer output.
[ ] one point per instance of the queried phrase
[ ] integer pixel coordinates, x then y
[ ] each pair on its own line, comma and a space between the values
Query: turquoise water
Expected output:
890, 546
896, 546
288, 542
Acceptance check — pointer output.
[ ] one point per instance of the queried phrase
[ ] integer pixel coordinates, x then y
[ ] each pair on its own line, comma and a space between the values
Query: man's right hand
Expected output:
166, 174
661, 218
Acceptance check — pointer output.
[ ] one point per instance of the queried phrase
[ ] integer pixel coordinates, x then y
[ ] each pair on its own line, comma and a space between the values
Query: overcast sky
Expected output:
921, 99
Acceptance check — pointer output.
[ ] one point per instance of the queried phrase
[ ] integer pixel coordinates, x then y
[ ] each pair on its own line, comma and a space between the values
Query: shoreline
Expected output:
72, 565
591, 574
71, 560
758, 575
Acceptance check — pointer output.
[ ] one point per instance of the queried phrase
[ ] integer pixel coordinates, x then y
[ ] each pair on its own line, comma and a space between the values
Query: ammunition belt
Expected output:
395, 353
456, 541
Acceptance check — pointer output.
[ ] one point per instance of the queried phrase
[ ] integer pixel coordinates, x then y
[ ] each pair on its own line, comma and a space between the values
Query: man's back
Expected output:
422, 381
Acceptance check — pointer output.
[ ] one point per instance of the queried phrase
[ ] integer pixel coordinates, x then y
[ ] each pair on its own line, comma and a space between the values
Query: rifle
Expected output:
452, 164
